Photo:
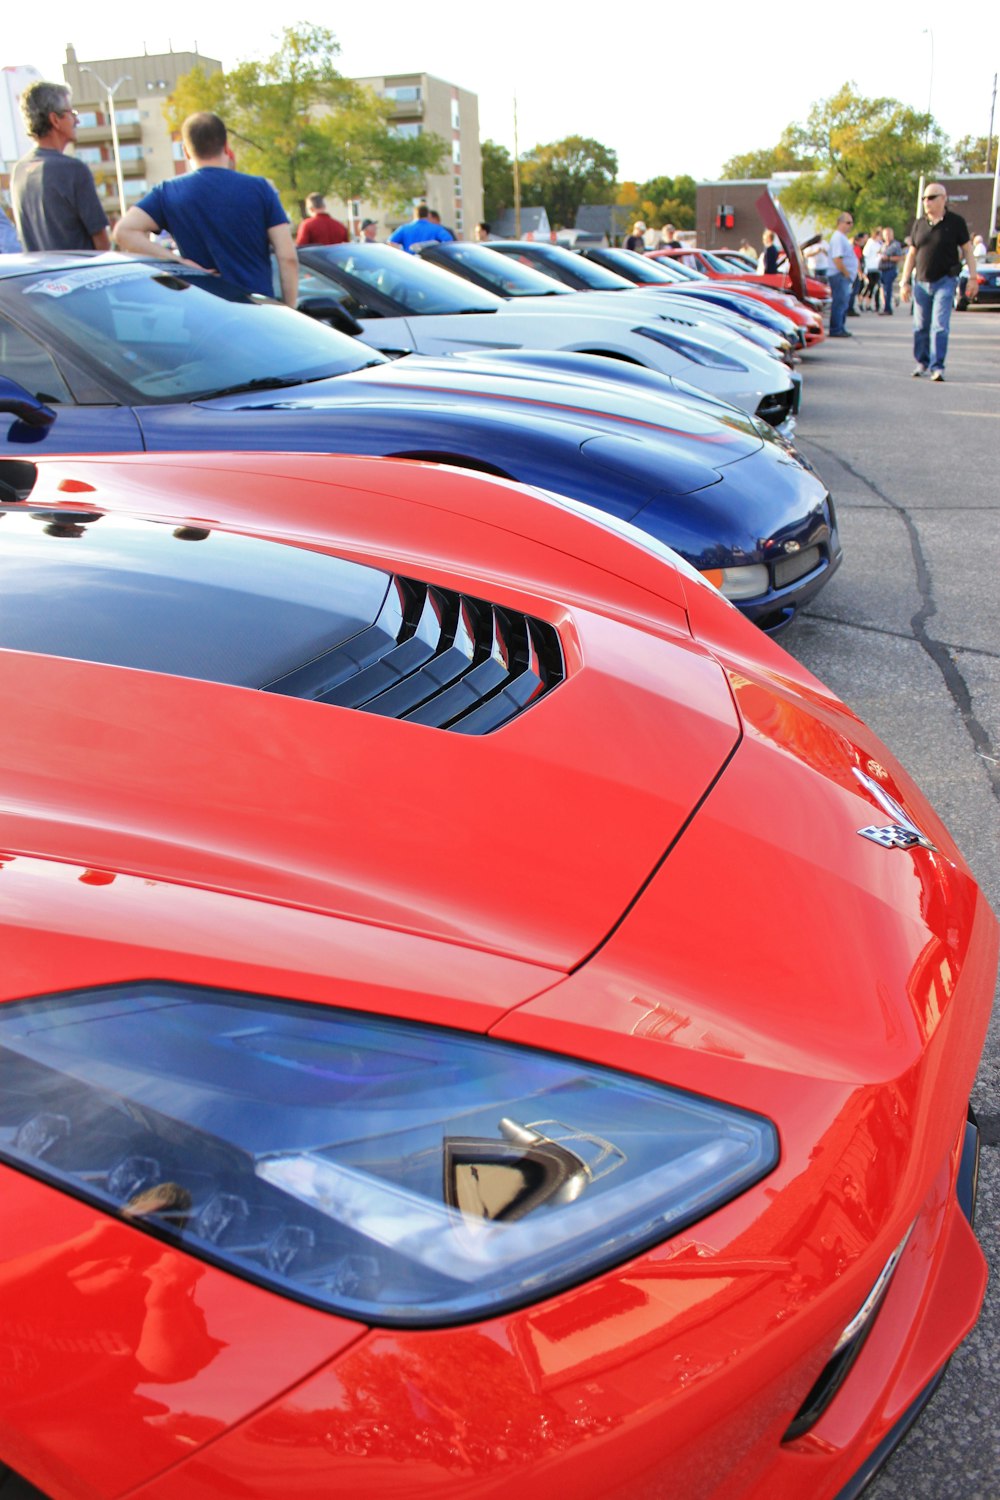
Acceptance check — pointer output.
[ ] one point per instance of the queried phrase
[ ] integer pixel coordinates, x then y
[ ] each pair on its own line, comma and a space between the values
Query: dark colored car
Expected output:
113, 354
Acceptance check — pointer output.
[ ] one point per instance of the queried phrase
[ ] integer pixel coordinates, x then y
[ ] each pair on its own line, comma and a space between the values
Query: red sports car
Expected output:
719, 268
477, 1017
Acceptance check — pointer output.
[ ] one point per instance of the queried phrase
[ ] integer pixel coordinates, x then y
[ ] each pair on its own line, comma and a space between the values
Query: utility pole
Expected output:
111, 90
517, 179
989, 133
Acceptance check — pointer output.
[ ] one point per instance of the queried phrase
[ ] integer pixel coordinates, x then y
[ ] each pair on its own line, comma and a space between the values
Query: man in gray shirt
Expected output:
55, 202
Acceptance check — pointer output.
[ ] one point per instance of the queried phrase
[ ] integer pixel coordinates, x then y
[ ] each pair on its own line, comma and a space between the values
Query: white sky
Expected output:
671, 87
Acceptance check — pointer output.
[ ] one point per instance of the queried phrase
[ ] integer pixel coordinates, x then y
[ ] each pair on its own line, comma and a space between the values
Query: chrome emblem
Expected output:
902, 832
793, 546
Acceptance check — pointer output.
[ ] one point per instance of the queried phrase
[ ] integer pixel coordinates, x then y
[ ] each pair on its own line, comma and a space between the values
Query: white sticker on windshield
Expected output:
49, 288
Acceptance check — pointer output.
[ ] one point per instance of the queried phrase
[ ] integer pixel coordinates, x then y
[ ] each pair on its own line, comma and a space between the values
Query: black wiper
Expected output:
265, 383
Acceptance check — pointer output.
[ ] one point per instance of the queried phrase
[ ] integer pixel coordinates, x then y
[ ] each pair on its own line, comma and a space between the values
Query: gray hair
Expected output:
40, 100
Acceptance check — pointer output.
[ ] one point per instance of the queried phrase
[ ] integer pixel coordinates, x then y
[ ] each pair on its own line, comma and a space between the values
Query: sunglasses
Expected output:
929, 197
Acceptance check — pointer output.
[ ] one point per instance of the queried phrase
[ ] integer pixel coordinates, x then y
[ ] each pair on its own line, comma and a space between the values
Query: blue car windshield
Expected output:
168, 337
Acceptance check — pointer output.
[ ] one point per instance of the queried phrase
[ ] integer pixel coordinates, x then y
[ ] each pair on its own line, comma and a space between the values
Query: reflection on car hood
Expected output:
563, 387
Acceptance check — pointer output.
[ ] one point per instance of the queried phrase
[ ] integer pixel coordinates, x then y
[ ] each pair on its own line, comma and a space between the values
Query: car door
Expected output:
79, 427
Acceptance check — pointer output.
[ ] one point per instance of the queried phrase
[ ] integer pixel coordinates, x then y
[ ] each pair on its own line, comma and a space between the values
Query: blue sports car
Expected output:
106, 353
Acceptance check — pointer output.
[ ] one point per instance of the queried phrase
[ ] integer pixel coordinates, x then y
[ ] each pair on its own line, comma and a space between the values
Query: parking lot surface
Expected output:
908, 633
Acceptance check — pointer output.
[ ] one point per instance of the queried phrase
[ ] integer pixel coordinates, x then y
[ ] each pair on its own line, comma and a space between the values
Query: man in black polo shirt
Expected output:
939, 240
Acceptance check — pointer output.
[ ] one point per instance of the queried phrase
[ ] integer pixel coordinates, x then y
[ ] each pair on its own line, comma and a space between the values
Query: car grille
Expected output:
787, 569
437, 658
779, 407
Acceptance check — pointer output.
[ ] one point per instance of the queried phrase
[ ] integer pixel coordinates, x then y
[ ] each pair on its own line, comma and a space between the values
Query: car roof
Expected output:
31, 262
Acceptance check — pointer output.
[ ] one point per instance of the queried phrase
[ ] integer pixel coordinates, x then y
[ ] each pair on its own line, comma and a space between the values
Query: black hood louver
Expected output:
438, 658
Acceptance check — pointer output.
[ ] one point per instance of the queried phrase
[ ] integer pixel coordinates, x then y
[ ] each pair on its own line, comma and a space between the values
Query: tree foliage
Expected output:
498, 180
566, 173
669, 200
865, 155
296, 120
784, 157
974, 154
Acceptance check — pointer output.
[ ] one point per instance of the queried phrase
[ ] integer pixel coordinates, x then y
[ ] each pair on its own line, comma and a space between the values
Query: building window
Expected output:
403, 95
408, 132
130, 153
89, 153
137, 188
88, 120
177, 150
127, 116
456, 153
455, 118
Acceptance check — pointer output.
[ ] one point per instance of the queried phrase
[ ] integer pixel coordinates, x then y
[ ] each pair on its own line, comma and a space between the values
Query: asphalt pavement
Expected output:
908, 633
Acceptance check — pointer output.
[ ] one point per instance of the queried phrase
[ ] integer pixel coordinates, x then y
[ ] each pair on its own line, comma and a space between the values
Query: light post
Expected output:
111, 90
930, 90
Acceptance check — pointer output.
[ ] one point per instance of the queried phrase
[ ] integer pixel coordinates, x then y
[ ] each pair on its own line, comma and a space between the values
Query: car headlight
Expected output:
393, 1172
745, 581
700, 353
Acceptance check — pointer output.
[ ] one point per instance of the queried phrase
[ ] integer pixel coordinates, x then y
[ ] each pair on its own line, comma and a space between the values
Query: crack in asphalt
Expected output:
898, 635
938, 652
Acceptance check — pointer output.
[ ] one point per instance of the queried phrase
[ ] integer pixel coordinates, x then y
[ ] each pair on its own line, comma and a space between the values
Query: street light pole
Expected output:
930, 90
111, 90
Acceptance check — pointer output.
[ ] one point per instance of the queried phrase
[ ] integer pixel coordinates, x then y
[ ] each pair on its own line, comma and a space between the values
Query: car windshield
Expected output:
678, 271
554, 257
718, 263
635, 267
508, 278
169, 337
411, 283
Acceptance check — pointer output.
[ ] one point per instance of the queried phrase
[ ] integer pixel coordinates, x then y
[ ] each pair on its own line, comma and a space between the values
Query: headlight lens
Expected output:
743, 582
702, 354
397, 1173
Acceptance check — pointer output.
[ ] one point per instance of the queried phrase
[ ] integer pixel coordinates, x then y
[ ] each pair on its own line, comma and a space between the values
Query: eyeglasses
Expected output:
74, 112
929, 197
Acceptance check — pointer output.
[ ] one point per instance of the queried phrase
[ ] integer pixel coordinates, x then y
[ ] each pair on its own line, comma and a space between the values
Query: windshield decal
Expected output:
85, 281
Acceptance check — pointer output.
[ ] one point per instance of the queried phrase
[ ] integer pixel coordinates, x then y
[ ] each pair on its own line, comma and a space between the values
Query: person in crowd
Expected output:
435, 218
769, 256
9, 242
221, 220
369, 232
482, 232
892, 254
320, 227
857, 244
871, 261
636, 240
747, 249
818, 259
670, 240
979, 247
939, 242
421, 227
843, 271
55, 201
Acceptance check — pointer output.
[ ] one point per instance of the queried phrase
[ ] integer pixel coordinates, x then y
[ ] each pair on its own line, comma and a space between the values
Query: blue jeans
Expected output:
888, 277
840, 291
932, 304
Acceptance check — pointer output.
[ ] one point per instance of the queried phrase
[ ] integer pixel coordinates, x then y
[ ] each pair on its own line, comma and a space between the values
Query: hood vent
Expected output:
438, 658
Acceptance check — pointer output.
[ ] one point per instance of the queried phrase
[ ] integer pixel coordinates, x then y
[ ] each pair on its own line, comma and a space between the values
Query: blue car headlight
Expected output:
702, 354
396, 1173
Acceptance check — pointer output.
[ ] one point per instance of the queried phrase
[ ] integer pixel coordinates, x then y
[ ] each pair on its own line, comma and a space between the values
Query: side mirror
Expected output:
23, 405
329, 310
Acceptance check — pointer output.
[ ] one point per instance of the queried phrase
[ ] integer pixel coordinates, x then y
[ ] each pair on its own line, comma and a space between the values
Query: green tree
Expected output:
669, 200
498, 180
784, 157
974, 154
867, 155
565, 174
298, 121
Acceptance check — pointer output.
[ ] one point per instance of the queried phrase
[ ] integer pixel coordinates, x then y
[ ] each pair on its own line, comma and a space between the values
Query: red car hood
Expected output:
565, 812
773, 218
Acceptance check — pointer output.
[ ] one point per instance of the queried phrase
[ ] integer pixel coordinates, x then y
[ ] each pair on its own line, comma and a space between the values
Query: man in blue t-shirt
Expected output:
221, 220
421, 227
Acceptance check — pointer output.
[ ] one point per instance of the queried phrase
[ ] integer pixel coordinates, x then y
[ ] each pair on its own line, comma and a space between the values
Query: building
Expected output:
727, 212
149, 152
422, 103
534, 221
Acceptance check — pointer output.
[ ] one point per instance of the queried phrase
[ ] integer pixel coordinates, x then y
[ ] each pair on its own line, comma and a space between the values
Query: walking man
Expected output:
55, 202
939, 241
844, 267
421, 227
221, 220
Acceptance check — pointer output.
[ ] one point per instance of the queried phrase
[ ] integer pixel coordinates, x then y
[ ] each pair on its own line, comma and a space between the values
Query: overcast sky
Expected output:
673, 88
